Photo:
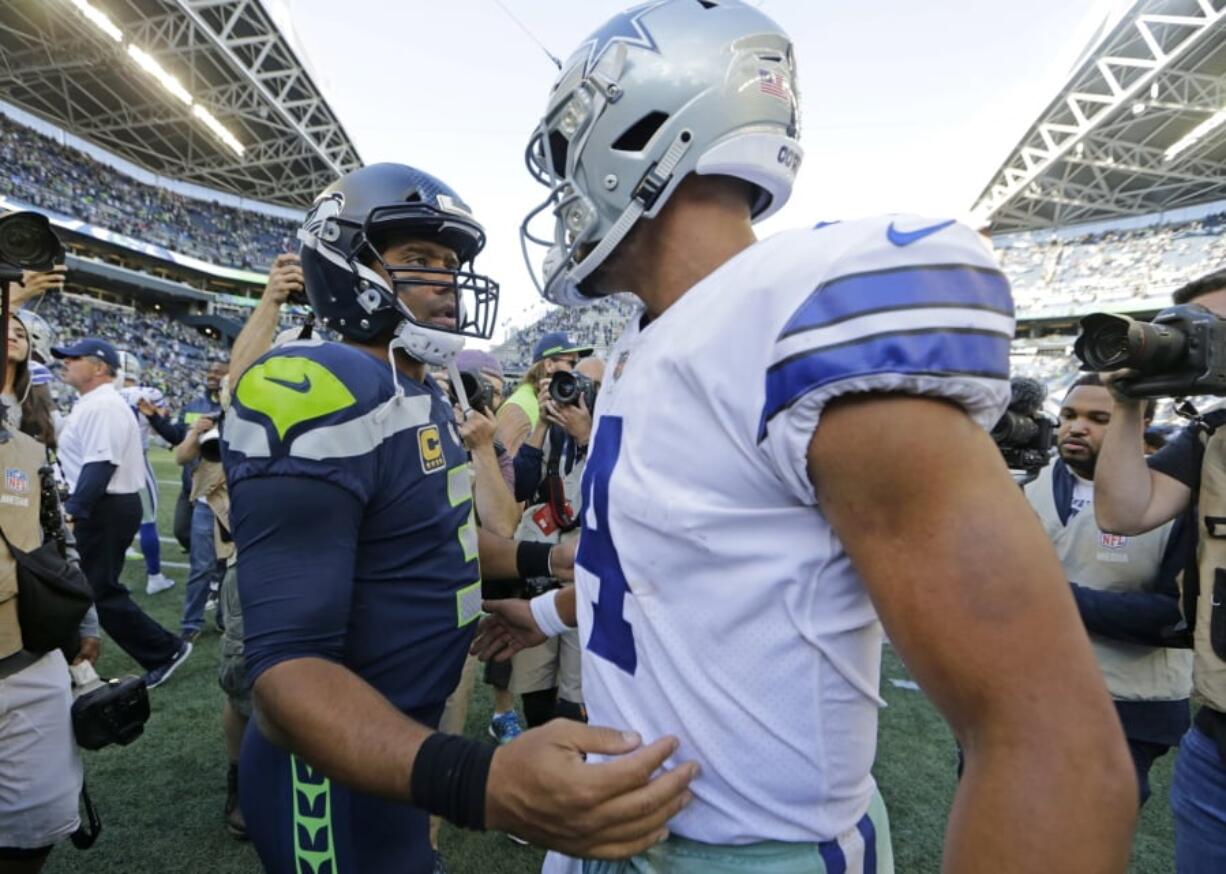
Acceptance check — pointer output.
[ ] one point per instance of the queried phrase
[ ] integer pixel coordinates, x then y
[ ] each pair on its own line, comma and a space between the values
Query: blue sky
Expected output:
907, 106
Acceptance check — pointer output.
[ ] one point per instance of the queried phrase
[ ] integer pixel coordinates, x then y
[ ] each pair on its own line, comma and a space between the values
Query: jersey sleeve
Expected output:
916, 307
307, 412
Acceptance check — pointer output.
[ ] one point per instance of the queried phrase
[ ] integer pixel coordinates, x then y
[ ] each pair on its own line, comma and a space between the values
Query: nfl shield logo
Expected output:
1112, 541
15, 480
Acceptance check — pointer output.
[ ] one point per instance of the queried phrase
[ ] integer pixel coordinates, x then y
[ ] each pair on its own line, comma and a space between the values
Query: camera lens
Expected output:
563, 387
26, 239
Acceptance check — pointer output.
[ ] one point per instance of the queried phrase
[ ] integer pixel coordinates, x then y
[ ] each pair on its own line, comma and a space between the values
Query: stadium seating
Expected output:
46, 174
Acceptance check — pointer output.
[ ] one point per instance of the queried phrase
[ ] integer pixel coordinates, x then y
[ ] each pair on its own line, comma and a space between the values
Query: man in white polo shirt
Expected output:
100, 454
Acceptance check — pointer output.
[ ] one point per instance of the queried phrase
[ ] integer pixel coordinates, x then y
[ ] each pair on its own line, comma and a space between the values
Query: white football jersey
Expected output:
715, 602
133, 394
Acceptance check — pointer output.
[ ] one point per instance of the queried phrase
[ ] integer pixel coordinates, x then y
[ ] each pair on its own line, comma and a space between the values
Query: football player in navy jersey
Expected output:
359, 576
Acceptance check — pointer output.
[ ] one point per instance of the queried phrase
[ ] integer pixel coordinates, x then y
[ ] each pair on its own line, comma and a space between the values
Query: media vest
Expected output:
1113, 563
20, 501
1205, 604
524, 397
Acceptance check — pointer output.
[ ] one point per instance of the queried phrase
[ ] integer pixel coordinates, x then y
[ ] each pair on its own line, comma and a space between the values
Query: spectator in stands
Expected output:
52, 176
100, 456
1125, 587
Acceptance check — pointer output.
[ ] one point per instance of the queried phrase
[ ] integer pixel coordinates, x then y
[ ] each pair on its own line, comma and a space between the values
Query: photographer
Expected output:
1188, 475
548, 473
553, 352
1125, 587
42, 774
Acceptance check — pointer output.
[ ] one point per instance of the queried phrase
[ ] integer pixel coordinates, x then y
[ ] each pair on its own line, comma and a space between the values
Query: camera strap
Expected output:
555, 488
91, 824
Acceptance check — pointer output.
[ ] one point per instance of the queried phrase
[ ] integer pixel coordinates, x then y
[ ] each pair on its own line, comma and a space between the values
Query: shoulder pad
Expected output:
301, 383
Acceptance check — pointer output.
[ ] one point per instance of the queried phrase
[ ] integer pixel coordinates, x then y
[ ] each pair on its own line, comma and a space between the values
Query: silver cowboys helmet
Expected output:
665, 89
40, 335
129, 366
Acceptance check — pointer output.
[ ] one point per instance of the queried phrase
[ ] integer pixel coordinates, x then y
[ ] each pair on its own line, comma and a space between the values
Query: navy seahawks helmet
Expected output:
339, 246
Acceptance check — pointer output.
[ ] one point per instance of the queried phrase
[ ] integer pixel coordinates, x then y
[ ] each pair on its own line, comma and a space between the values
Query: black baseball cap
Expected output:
91, 346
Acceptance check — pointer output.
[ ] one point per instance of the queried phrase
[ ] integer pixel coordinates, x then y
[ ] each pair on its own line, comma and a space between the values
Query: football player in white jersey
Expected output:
133, 392
790, 451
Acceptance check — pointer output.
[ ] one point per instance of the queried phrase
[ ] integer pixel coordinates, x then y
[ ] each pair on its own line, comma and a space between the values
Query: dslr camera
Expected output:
106, 712
1182, 352
1024, 435
567, 388
210, 440
478, 390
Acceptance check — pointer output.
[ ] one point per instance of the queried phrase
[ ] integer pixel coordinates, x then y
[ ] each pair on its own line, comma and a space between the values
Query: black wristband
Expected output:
532, 560
449, 776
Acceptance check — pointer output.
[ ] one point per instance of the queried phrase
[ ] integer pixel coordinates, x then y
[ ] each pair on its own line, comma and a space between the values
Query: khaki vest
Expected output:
20, 500
209, 482
1113, 563
1210, 620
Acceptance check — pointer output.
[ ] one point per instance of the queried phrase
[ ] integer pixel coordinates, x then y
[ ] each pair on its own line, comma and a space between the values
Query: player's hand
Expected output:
509, 628
477, 431
90, 649
285, 279
541, 789
562, 560
147, 408
37, 282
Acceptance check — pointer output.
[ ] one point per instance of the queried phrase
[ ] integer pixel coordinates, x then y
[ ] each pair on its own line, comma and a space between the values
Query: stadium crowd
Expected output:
34, 168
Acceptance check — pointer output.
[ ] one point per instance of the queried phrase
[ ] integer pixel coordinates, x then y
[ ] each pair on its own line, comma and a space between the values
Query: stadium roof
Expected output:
1139, 126
203, 91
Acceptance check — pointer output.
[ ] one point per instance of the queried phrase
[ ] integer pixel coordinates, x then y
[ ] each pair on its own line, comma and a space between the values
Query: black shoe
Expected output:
161, 673
235, 824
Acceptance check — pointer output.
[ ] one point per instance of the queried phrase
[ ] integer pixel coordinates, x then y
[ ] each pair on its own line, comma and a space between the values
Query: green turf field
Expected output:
161, 798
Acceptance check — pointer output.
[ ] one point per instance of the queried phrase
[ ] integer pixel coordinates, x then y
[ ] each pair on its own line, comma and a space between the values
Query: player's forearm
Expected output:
496, 506
1024, 806
1123, 485
340, 725
254, 339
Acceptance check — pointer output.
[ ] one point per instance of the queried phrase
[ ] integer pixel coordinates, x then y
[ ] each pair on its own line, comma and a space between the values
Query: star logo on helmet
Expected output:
625, 27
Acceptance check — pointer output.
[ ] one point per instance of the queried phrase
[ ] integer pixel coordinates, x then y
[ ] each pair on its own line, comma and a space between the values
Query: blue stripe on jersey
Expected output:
39, 374
938, 352
869, 832
833, 857
939, 285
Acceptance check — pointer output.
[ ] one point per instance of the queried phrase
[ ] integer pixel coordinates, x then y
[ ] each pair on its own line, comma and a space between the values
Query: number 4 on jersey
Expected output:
612, 636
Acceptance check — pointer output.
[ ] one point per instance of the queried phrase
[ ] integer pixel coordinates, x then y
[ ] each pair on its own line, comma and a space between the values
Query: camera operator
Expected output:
42, 776
1125, 587
548, 473
1132, 497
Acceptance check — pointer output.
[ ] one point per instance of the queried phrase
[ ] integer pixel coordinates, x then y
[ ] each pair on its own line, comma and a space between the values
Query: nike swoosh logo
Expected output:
302, 386
906, 238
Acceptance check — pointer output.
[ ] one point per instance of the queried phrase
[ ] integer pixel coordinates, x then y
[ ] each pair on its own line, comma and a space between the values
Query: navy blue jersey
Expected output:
352, 513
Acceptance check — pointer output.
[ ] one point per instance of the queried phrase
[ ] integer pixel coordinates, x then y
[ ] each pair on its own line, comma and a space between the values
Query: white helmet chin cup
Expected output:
435, 348
624, 125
